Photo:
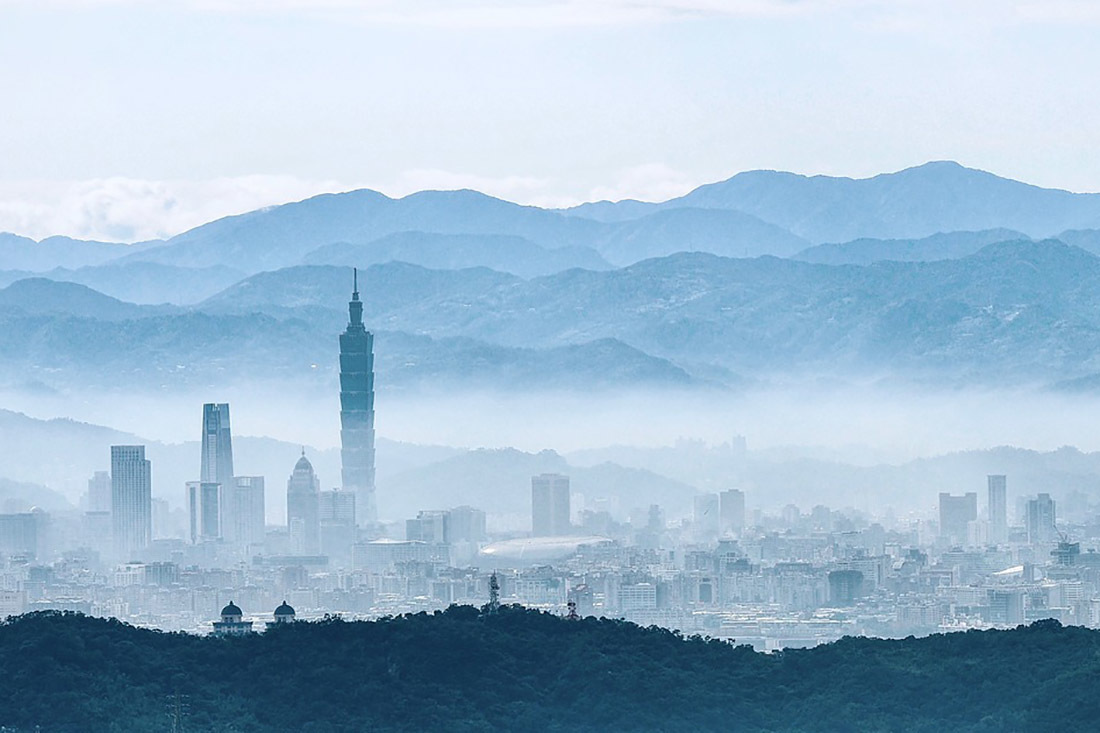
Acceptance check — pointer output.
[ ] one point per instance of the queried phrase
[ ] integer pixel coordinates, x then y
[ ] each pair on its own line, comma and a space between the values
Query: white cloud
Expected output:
129, 210
652, 182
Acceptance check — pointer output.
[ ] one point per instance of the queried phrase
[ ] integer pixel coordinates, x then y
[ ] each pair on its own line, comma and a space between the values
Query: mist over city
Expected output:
544, 366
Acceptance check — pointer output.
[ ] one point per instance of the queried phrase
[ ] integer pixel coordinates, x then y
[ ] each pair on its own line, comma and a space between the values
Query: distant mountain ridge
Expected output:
723, 285
42, 296
950, 246
23, 253
933, 198
505, 253
751, 214
1027, 309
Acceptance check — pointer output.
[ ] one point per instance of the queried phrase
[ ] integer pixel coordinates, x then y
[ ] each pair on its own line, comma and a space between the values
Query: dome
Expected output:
232, 610
284, 610
303, 464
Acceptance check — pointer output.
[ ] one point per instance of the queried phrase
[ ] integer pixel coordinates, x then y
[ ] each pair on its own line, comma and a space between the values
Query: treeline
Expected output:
516, 669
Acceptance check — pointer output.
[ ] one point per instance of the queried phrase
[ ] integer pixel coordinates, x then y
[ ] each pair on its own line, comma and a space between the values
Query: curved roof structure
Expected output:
536, 550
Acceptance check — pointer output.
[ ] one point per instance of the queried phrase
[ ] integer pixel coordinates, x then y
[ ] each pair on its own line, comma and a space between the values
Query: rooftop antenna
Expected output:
355, 283
494, 592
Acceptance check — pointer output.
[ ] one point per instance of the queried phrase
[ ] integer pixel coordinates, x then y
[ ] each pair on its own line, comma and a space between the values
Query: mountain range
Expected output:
941, 196
936, 273
1020, 312
750, 214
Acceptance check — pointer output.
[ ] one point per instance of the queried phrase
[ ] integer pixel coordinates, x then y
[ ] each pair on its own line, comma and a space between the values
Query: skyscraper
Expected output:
997, 506
216, 469
357, 409
337, 525
204, 505
131, 499
706, 515
99, 492
303, 508
466, 524
245, 501
217, 445
956, 512
732, 510
431, 526
1040, 520
550, 505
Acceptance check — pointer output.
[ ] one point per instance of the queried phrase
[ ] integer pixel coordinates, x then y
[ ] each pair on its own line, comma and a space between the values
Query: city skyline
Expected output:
754, 343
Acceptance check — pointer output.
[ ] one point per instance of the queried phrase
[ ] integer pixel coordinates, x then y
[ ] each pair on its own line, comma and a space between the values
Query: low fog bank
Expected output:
844, 447
863, 426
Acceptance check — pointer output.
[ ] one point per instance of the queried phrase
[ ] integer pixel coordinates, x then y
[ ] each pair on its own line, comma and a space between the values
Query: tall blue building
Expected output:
131, 500
357, 409
209, 498
217, 445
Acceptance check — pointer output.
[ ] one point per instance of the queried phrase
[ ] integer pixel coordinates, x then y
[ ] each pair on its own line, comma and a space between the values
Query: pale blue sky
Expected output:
133, 119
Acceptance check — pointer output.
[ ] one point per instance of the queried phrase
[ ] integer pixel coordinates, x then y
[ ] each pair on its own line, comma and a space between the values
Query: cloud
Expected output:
129, 210
651, 182
132, 210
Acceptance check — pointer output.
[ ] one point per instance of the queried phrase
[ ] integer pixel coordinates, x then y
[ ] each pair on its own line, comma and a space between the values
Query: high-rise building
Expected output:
431, 526
246, 511
845, 587
337, 525
163, 525
99, 492
19, 533
821, 518
204, 507
216, 468
337, 506
956, 512
732, 510
550, 505
131, 499
997, 507
303, 508
466, 524
1006, 606
1040, 520
217, 445
706, 516
357, 409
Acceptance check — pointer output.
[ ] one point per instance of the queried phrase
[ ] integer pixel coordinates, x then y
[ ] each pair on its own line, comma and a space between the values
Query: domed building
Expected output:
232, 623
284, 613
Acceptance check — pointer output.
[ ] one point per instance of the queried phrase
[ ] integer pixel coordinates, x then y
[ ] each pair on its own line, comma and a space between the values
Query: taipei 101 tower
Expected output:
357, 410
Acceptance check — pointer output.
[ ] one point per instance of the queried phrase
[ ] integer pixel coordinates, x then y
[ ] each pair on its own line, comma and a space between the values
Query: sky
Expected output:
128, 120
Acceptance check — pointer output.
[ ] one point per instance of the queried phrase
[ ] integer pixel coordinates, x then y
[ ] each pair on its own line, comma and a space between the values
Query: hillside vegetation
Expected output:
463, 670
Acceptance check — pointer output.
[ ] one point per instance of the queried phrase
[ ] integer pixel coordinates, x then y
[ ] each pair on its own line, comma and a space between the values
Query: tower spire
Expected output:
357, 409
355, 307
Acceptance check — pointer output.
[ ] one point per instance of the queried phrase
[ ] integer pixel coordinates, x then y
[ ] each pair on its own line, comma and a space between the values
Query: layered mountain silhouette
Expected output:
937, 272
1015, 308
748, 215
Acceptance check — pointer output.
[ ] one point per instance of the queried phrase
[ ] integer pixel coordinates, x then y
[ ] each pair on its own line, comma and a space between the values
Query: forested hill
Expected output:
461, 670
